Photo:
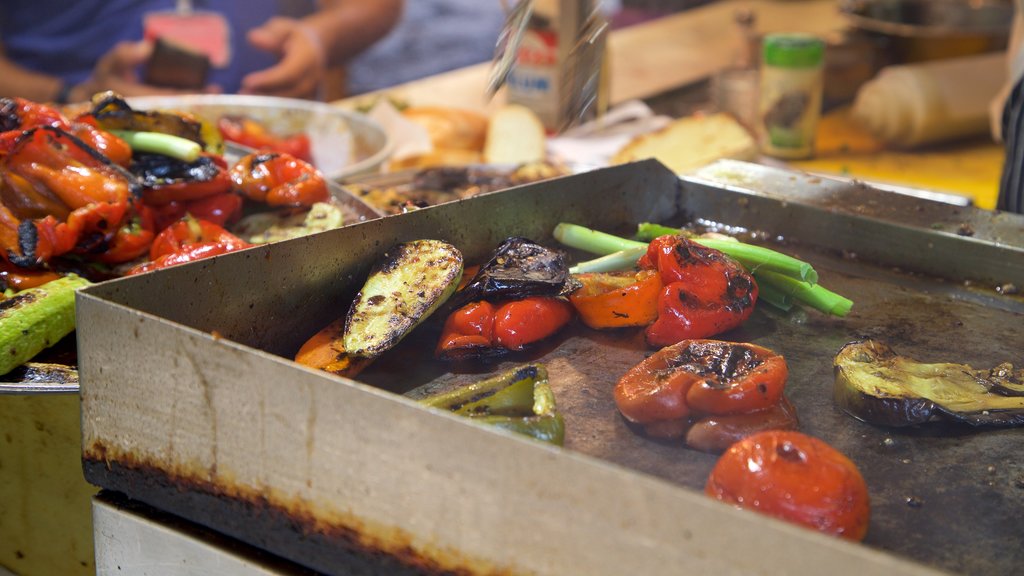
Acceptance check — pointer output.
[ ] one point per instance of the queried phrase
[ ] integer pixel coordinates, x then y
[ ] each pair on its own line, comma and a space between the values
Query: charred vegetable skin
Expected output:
511, 302
705, 292
519, 401
279, 179
405, 286
518, 268
876, 385
696, 386
794, 477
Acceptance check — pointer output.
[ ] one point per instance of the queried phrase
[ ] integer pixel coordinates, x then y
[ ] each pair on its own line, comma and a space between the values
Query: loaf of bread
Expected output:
692, 142
515, 136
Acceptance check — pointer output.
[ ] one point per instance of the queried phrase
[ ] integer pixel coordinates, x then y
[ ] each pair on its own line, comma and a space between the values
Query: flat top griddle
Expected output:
946, 496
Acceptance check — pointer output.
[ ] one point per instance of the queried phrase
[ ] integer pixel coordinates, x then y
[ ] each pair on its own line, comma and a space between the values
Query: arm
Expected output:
339, 30
24, 83
116, 70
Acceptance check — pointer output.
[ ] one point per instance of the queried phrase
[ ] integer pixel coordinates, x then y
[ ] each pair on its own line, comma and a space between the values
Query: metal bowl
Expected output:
931, 29
344, 144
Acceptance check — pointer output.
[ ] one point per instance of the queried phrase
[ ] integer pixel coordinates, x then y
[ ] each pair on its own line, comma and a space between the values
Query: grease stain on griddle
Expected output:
335, 543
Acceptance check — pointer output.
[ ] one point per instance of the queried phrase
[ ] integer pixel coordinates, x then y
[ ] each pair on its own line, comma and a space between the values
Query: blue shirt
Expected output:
65, 38
432, 36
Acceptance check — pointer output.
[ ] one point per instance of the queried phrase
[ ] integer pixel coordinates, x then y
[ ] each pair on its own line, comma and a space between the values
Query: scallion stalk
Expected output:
593, 241
621, 260
752, 257
158, 143
815, 296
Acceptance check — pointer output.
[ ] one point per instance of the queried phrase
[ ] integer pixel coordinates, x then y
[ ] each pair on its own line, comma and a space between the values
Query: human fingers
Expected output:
298, 73
272, 34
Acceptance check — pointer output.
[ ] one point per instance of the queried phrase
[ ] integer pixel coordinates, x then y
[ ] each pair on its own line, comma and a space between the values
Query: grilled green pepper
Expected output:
876, 385
520, 401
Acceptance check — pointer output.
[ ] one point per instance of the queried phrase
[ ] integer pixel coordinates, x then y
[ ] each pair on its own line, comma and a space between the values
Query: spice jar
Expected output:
790, 94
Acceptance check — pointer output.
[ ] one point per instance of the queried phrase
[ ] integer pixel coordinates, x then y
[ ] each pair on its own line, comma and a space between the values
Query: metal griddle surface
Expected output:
947, 496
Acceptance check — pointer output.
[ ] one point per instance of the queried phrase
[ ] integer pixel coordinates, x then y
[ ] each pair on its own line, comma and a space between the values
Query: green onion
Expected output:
648, 231
782, 280
158, 143
767, 292
815, 296
590, 240
621, 260
752, 257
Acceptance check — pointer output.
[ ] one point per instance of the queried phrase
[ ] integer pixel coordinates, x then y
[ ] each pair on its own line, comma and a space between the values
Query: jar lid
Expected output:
793, 50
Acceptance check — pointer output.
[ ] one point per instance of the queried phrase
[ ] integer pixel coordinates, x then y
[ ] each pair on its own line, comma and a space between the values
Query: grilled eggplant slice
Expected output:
518, 269
405, 286
874, 384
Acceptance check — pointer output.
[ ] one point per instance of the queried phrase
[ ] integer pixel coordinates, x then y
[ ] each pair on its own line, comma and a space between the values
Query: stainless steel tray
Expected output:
190, 403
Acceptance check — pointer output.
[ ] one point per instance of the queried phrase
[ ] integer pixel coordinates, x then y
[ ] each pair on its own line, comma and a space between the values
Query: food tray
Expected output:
191, 404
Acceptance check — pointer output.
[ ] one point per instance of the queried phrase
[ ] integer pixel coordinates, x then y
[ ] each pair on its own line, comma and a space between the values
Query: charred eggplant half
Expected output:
875, 384
519, 268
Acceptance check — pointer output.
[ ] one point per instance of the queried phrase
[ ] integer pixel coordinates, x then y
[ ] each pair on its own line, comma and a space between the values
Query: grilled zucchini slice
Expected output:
405, 286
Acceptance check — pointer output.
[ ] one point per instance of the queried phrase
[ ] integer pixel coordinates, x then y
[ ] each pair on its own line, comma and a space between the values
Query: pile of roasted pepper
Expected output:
118, 191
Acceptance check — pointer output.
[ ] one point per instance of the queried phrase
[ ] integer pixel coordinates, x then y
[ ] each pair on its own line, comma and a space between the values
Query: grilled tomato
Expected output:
793, 477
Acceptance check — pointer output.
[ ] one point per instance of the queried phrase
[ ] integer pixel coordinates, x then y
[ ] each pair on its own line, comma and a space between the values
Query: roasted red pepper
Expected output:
617, 300
87, 230
221, 209
191, 231
279, 180
207, 176
114, 148
18, 279
248, 132
482, 328
21, 114
679, 384
133, 239
50, 172
187, 240
705, 292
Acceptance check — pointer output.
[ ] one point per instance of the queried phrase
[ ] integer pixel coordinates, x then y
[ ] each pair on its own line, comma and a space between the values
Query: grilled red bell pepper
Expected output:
481, 328
50, 172
681, 383
220, 209
114, 148
207, 176
705, 292
87, 230
279, 180
248, 132
133, 239
187, 240
22, 114
190, 231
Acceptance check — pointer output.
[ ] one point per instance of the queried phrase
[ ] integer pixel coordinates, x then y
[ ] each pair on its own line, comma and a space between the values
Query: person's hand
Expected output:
301, 66
117, 70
